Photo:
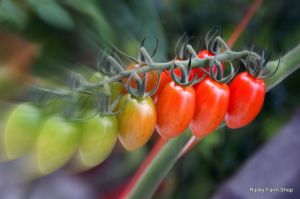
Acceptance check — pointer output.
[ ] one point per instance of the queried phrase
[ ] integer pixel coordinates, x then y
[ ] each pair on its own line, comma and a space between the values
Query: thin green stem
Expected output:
227, 55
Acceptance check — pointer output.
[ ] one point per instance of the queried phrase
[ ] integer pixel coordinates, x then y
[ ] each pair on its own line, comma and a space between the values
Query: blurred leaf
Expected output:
52, 13
148, 24
11, 14
92, 10
206, 145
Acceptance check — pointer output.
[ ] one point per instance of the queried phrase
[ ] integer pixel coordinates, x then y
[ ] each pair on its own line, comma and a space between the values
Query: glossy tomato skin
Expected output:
57, 142
136, 121
99, 136
205, 53
212, 99
175, 109
247, 95
165, 78
21, 130
197, 71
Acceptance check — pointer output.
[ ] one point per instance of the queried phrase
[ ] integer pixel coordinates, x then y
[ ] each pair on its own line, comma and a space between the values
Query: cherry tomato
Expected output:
115, 88
21, 130
136, 121
165, 78
151, 79
205, 54
198, 71
175, 109
212, 99
247, 95
99, 136
57, 141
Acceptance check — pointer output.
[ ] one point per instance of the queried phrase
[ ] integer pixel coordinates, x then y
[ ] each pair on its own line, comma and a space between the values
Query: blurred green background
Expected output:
42, 38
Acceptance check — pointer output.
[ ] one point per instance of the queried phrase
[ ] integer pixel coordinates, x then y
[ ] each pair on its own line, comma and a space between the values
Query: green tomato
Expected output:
57, 142
99, 136
21, 130
115, 88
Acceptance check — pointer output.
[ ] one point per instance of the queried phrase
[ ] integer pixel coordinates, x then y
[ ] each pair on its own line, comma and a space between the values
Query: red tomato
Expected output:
247, 95
136, 121
205, 53
151, 79
175, 109
165, 78
212, 99
198, 71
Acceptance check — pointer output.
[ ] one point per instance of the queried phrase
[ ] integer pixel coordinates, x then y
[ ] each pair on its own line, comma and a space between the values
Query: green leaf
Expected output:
52, 13
11, 14
92, 10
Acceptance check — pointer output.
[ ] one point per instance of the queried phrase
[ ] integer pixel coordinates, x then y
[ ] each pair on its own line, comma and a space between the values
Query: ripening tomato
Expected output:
212, 99
175, 109
99, 136
21, 130
151, 79
247, 95
57, 141
136, 121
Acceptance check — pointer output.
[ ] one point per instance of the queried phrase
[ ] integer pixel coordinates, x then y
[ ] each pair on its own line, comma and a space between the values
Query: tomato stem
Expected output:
154, 151
150, 65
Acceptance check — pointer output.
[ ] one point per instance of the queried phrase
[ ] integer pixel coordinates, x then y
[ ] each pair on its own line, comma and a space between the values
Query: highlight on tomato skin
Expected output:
247, 95
165, 78
136, 121
212, 99
175, 109
199, 72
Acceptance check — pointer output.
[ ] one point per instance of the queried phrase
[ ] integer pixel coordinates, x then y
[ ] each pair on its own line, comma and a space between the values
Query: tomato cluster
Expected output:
52, 140
203, 107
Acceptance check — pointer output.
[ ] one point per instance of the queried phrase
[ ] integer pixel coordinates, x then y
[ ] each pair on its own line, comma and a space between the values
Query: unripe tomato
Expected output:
247, 95
57, 141
99, 136
212, 100
115, 88
21, 130
136, 121
175, 109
